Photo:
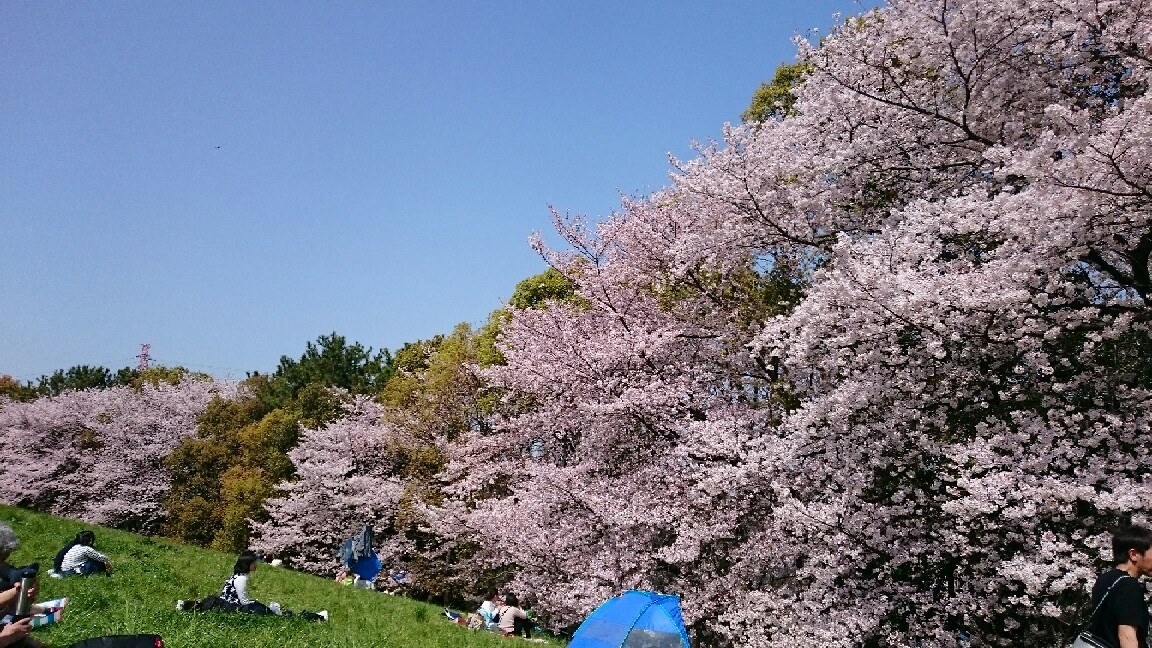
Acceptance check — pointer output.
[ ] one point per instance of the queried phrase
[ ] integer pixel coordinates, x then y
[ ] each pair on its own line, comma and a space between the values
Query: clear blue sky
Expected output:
229, 180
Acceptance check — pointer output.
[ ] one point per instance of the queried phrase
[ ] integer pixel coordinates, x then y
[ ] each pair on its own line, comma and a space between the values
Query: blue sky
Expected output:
229, 180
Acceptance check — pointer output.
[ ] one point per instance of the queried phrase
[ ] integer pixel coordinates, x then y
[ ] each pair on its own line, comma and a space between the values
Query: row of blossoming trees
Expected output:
97, 454
873, 371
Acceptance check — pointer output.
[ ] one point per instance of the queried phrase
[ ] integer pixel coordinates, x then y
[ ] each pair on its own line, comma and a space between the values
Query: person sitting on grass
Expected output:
83, 560
489, 611
16, 634
235, 590
13, 633
58, 561
513, 620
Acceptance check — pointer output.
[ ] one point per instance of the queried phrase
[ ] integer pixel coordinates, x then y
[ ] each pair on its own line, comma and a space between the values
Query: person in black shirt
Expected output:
1122, 620
15, 633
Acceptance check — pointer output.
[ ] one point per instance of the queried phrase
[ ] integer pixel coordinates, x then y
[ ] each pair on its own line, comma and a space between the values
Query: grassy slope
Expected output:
152, 574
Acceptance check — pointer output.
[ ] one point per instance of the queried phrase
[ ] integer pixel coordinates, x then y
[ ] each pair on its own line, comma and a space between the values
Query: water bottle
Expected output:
24, 602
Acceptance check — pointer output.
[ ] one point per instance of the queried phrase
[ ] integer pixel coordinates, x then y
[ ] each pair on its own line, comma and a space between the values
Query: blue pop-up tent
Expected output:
635, 619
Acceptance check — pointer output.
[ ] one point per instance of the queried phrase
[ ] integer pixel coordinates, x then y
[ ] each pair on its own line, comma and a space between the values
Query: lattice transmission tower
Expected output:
144, 357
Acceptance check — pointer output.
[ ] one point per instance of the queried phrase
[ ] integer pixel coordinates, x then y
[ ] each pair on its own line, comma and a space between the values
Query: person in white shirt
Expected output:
83, 559
488, 611
235, 589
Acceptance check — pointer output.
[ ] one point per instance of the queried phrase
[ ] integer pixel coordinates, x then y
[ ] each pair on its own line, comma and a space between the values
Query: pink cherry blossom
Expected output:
95, 455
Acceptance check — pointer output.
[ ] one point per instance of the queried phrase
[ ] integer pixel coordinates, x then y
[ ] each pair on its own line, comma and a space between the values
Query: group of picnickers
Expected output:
644, 615
361, 567
21, 612
498, 614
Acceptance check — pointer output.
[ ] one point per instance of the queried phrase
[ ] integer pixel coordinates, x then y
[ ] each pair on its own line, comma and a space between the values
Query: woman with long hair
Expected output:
235, 590
82, 559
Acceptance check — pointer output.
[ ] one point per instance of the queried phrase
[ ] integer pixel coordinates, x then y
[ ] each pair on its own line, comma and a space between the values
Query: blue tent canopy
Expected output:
366, 568
635, 619
357, 554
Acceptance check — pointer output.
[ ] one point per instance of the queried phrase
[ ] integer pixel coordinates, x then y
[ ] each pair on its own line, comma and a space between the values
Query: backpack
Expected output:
58, 561
122, 641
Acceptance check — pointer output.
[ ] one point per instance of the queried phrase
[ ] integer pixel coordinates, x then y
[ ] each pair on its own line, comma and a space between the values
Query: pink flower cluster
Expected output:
95, 455
343, 481
933, 433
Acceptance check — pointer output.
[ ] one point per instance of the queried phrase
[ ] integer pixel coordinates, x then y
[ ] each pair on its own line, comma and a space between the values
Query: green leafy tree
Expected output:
435, 397
222, 477
74, 379
776, 99
196, 511
536, 290
332, 362
14, 389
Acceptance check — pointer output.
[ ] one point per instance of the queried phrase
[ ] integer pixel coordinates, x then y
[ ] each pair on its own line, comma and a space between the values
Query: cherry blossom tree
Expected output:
625, 412
343, 481
381, 466
872, 372
96, 454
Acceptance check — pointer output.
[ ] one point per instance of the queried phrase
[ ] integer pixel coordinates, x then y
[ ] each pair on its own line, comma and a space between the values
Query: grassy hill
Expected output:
151, 575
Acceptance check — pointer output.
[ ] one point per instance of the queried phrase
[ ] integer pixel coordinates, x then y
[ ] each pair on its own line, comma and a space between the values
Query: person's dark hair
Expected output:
1129, 537
86, 538
511, 600
244, 563
490, 595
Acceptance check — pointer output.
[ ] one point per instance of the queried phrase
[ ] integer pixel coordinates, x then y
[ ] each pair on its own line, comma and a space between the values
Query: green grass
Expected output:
151, 575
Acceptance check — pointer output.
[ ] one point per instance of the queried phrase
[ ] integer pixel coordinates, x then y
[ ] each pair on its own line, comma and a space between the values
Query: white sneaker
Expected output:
180, 605
275, 607
323, 614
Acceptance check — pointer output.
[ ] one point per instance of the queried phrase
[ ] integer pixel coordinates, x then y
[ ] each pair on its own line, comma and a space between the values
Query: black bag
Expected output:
122, 641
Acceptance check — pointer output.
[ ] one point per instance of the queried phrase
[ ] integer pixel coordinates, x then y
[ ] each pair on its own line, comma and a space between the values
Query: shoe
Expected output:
180, 604
323, 614
275, 607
